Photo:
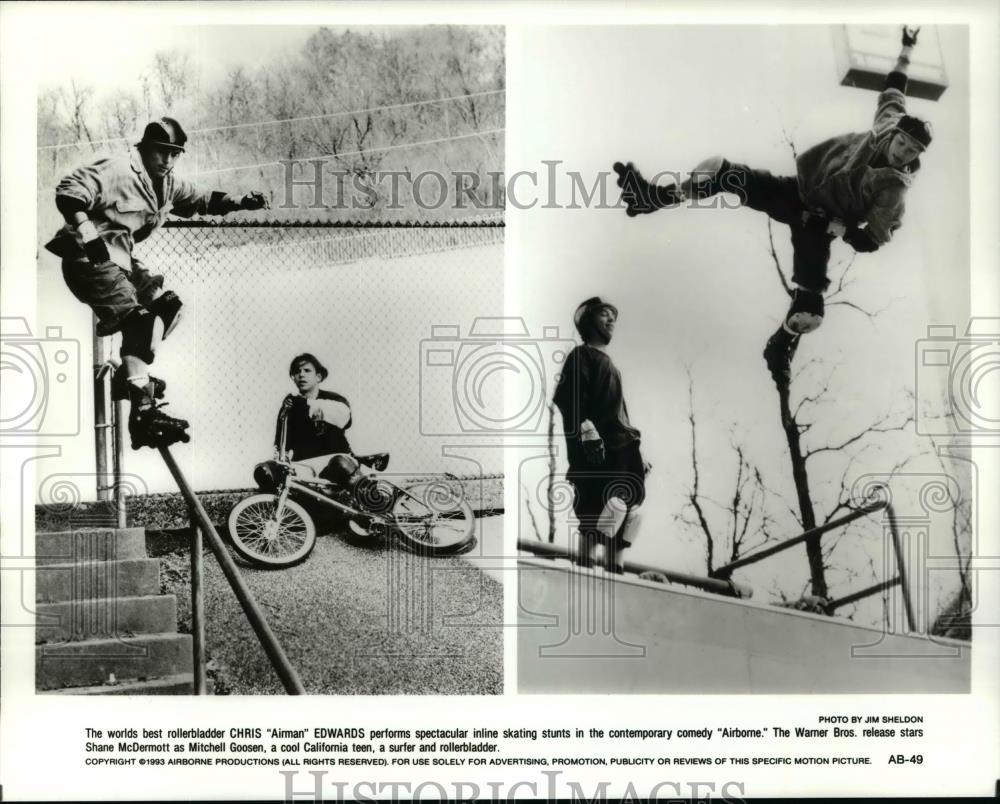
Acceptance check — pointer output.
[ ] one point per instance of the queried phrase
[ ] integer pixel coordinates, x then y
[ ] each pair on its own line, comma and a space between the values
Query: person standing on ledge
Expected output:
606, 468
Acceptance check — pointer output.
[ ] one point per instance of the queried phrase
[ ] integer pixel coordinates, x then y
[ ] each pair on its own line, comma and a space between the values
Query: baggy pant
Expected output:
112, 292
778, 197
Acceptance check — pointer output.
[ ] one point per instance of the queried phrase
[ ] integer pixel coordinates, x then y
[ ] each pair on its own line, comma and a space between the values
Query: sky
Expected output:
216, 50
696, 287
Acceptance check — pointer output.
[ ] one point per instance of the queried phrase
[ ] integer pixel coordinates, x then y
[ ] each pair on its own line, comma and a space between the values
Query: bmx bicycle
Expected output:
275, 530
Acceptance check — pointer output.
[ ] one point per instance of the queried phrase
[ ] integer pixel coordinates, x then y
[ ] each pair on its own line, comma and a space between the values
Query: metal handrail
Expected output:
728, 588
901, 580
269, 642
109, 479
720, 580
727, 570
197, 605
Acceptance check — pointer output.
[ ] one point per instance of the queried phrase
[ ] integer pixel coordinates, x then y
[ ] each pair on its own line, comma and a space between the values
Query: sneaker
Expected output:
640, 196
778, 354
151, 427
121, 387
806, 312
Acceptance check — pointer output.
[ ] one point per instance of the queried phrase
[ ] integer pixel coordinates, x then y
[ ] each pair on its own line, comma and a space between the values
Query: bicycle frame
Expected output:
309, 487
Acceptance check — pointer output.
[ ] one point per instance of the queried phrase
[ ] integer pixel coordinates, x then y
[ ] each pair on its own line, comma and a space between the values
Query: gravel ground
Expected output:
358, 617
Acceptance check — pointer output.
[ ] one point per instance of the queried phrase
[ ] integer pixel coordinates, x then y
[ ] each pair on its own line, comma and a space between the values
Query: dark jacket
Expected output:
121, 200
837, 177
590, 387
308, 436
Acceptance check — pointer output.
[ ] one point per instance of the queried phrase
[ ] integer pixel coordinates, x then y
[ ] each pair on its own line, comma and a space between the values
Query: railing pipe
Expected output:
725, 571
721, 587
279, 660
118, 417
901, 568
100, 415
198, 605
856, 596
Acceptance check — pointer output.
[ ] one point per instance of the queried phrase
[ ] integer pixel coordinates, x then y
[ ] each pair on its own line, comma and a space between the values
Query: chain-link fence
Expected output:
381, 307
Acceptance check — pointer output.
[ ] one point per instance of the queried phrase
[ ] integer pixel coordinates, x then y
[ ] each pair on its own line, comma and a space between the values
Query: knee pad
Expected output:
629, 533
340, 469
167, 307
612, 517
137, 336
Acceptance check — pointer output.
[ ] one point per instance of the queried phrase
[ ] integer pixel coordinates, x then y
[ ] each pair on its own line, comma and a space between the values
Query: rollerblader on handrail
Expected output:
109, 206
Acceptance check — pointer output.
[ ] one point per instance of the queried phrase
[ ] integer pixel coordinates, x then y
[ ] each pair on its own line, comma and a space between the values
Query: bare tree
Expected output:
737, 524
121, 113
78, 101
955, 617
798, 421
172, 71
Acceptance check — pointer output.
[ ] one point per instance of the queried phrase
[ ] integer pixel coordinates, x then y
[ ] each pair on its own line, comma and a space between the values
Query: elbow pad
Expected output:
68, 206
896, 80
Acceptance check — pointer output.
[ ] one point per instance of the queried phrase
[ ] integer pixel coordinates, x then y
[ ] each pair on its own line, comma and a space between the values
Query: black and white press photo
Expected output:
755, 244
265, 247
577, 401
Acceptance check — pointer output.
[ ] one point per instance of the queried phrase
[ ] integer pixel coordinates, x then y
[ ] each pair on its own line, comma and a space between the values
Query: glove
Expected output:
860, 241
253, 201
910, 36
640, 196
97, 251
93, 244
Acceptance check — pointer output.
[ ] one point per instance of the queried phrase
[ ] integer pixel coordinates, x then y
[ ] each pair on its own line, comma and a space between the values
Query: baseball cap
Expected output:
164, 132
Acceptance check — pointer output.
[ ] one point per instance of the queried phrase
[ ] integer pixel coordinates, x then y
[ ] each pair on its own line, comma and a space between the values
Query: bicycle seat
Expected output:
377, 461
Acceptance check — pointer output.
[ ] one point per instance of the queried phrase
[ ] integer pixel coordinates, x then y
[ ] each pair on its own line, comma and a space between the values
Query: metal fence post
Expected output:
904, 583
101, 415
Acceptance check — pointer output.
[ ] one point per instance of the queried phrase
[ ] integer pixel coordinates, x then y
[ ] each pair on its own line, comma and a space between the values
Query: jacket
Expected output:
316, 427
846, 177
590, 388
121, 201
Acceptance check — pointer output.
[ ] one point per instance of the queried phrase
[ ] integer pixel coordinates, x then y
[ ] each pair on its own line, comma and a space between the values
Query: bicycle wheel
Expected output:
258, 537
433, 517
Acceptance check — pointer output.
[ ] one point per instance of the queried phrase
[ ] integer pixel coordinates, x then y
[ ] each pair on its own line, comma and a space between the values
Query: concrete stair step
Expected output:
92, 662
178, 684
84, 546
132, 577
105, 618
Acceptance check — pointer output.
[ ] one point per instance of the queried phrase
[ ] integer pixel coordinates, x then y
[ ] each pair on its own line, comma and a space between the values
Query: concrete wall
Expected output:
633, 636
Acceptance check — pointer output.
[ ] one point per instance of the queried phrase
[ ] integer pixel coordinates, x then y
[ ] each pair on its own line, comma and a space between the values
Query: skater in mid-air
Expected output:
852, 186
109, 206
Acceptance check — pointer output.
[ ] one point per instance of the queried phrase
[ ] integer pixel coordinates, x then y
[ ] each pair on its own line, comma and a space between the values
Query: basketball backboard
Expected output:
867, 53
